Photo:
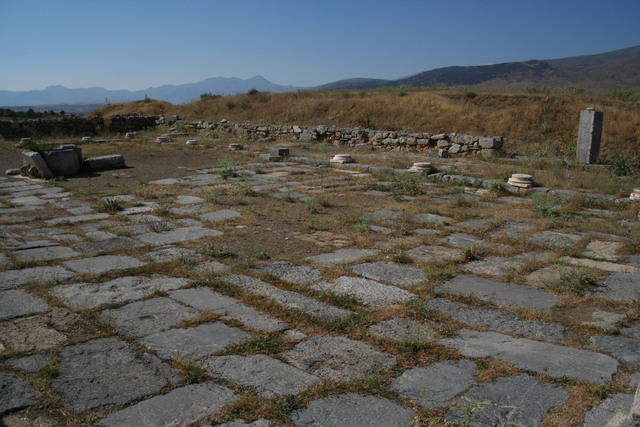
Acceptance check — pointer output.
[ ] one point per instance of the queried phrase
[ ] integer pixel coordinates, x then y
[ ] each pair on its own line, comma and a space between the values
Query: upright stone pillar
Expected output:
589, 136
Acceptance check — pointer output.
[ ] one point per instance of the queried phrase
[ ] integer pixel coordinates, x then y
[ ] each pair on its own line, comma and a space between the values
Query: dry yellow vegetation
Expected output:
533, 123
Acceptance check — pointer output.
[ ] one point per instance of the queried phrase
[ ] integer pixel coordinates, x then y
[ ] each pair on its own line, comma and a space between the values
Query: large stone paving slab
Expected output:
382, 215
623, 348
178, 235
242, 423
430, 219
15, 393
292, 273
337, 358
103, 264
270, 377
368, 292
499, 320
149, 316
398, 274
107, 245
180, 407
353, 410
518, 401
190, 343
500, 293
402, 330
434, 253
220, 215
554, 239
205, 299
501, 266
16, 303
615, 405
600, 265
123, 289
540, 357
45, 254
43, 331
341, 256
32, 363
604, 250
512, 230
619, 287
436, 385
68, 220
288, 299
106, 372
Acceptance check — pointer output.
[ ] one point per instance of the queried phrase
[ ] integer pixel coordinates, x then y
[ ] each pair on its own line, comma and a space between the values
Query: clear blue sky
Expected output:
135, 44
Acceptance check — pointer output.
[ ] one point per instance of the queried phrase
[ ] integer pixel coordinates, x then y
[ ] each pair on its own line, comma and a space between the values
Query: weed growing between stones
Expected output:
215, 251
574, 281
110, 206
191, 372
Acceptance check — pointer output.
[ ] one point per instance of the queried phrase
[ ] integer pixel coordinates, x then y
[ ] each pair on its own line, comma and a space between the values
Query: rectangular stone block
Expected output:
31, 158
589, 136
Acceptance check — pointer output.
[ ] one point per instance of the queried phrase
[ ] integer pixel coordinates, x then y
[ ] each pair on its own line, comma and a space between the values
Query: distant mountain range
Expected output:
610, 70
176, 94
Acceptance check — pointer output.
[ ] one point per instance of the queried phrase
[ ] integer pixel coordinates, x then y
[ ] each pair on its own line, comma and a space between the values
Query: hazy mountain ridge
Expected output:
176, 94
610, 70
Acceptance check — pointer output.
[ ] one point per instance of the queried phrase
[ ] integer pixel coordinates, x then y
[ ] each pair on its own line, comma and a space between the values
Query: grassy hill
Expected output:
534, 123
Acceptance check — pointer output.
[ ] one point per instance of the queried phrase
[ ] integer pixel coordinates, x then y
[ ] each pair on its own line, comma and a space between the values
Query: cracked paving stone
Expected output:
148, 316
103, 264
434, 386
288, 299
123, 289
292, 273
518, 400
196, 342
366, 291
498, 320
270, 377
205, 299
500, 293
15, 393
398, 274
17, 303
541, 357
105, 372
14, 278
602, 249
353, 410
338, 358
180, 407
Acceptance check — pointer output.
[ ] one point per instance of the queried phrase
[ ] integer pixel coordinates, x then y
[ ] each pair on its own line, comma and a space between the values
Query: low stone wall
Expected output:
73, 126
447, 144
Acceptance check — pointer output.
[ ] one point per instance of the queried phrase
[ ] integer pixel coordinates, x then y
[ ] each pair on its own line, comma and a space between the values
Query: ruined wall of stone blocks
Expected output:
450, 144
73, 126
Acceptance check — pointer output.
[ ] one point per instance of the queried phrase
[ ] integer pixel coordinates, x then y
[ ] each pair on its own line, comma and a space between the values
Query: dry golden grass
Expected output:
536, 123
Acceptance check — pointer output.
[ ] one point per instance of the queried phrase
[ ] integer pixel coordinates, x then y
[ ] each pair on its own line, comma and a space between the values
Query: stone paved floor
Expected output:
287, 294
